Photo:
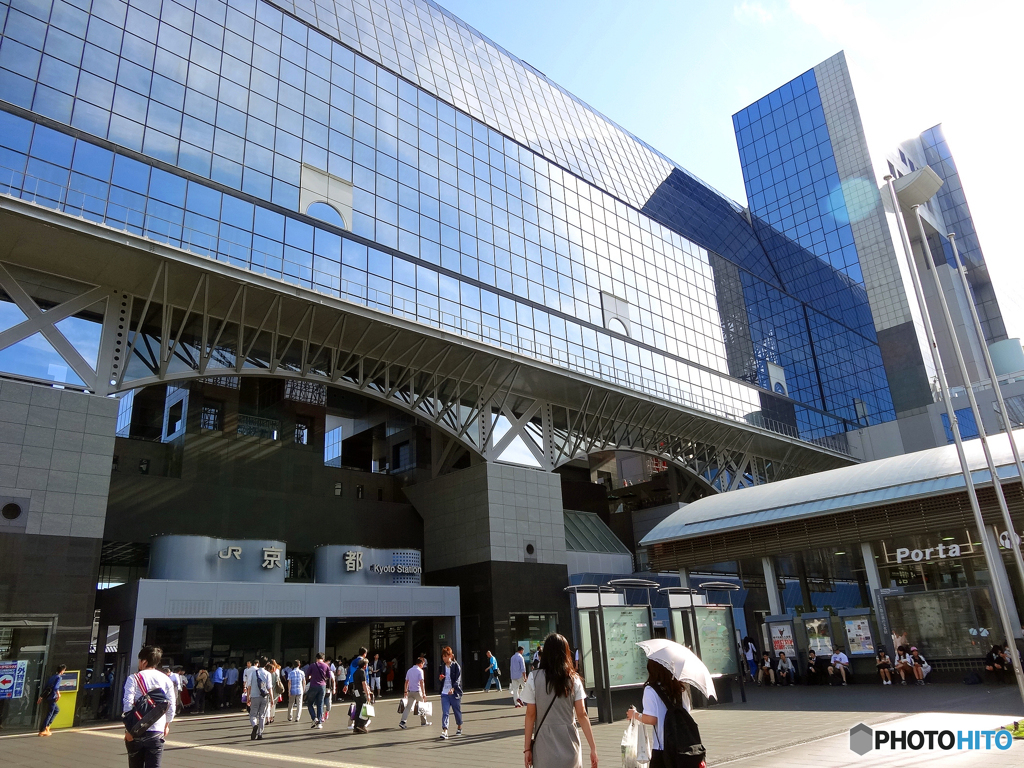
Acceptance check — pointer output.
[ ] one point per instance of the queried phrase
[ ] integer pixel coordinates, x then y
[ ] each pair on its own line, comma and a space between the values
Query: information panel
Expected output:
624, 628
858, 633
714, 631
819, 636
782, 639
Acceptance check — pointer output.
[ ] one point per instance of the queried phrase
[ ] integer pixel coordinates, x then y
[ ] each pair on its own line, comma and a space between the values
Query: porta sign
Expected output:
917, 555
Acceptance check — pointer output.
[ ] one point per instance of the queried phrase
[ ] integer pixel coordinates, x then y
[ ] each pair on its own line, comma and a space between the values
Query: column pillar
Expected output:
684, 577
408, 647
771, 582
98, 667
999, 581
321, 635
805, 588
276, 649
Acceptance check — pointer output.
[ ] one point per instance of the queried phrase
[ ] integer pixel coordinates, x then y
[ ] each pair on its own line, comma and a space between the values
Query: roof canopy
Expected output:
914, 475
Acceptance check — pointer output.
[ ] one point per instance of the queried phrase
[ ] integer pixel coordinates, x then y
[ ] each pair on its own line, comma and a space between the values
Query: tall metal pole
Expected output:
997, 486
993, 561
961, 270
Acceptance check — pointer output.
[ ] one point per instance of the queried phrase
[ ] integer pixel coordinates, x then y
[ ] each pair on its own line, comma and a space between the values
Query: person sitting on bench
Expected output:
785, 670
921, 665
839, 664
996, 664
765, 670
816, 674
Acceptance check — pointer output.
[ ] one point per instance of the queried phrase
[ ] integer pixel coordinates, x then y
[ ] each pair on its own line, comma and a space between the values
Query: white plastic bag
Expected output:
643, 746
426, 709
629, 741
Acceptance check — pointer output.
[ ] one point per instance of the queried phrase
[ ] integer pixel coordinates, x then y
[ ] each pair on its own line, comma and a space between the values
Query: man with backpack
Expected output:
148, 708
259, 696
50, 694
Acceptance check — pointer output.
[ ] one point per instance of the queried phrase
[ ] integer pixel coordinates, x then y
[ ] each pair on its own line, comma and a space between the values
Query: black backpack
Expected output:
149, 708
682, 747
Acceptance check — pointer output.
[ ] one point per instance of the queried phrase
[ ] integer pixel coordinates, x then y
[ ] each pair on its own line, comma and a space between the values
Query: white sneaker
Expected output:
320, 726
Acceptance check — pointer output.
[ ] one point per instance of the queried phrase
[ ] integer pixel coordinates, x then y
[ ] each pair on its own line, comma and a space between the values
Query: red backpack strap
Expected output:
142, 684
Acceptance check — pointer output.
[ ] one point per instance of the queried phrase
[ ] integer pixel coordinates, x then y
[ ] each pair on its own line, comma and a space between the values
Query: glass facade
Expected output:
957, 217
486, 201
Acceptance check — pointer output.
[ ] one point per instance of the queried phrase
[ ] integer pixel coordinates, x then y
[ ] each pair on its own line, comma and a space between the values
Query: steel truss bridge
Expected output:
169, 315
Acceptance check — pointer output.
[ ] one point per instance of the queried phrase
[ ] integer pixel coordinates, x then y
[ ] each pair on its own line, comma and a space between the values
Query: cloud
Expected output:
751, 13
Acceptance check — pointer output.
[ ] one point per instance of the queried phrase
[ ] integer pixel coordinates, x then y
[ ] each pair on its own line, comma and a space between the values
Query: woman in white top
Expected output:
904, 663
659, 678
555, 700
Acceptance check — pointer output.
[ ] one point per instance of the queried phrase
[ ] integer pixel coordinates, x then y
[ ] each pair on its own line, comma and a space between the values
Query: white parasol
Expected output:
683, 663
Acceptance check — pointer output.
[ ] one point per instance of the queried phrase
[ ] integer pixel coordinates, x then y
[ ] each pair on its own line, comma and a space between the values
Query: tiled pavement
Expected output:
787, 727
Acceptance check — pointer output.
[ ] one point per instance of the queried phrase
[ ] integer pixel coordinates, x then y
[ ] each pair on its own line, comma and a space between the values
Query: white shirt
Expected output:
840, 658
529, 693
175, 680
750, 651
655, 707
152, 679
247, 677
447, 687
254, 690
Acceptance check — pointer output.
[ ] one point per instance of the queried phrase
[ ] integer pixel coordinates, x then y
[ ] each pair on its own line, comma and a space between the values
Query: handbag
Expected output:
426, 708
643, 745
628, 745
403, 704
367, 712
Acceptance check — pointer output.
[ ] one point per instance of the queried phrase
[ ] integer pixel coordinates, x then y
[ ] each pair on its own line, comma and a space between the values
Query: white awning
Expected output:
924, 473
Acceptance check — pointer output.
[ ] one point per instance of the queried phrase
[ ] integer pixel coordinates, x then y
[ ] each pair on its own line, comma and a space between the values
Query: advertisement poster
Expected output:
782, 640
624, 628
858, 633
714, 628
12, 679
819, 636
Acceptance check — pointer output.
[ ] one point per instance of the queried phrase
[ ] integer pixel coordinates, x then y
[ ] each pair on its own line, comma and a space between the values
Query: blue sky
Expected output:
674, 72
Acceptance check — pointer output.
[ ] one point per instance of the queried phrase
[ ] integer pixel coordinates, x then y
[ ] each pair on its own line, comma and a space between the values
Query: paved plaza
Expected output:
776, 727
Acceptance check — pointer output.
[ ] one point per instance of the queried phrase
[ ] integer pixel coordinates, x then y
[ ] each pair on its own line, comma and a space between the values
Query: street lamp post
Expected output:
992, 559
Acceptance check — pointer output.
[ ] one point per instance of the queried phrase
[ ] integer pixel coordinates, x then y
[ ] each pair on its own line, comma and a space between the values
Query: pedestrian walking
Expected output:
556, 691
451, 691
146, 751
296, 690
360, 694
330, 688
278, 689
317, 674
492, 673
414, 687
662, 693
376, 672
261, 689
218, 686
517, 676
392, 666
49, 696
750, 651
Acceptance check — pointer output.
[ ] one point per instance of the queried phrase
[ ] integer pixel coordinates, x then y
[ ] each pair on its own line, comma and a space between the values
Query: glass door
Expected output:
24, 649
